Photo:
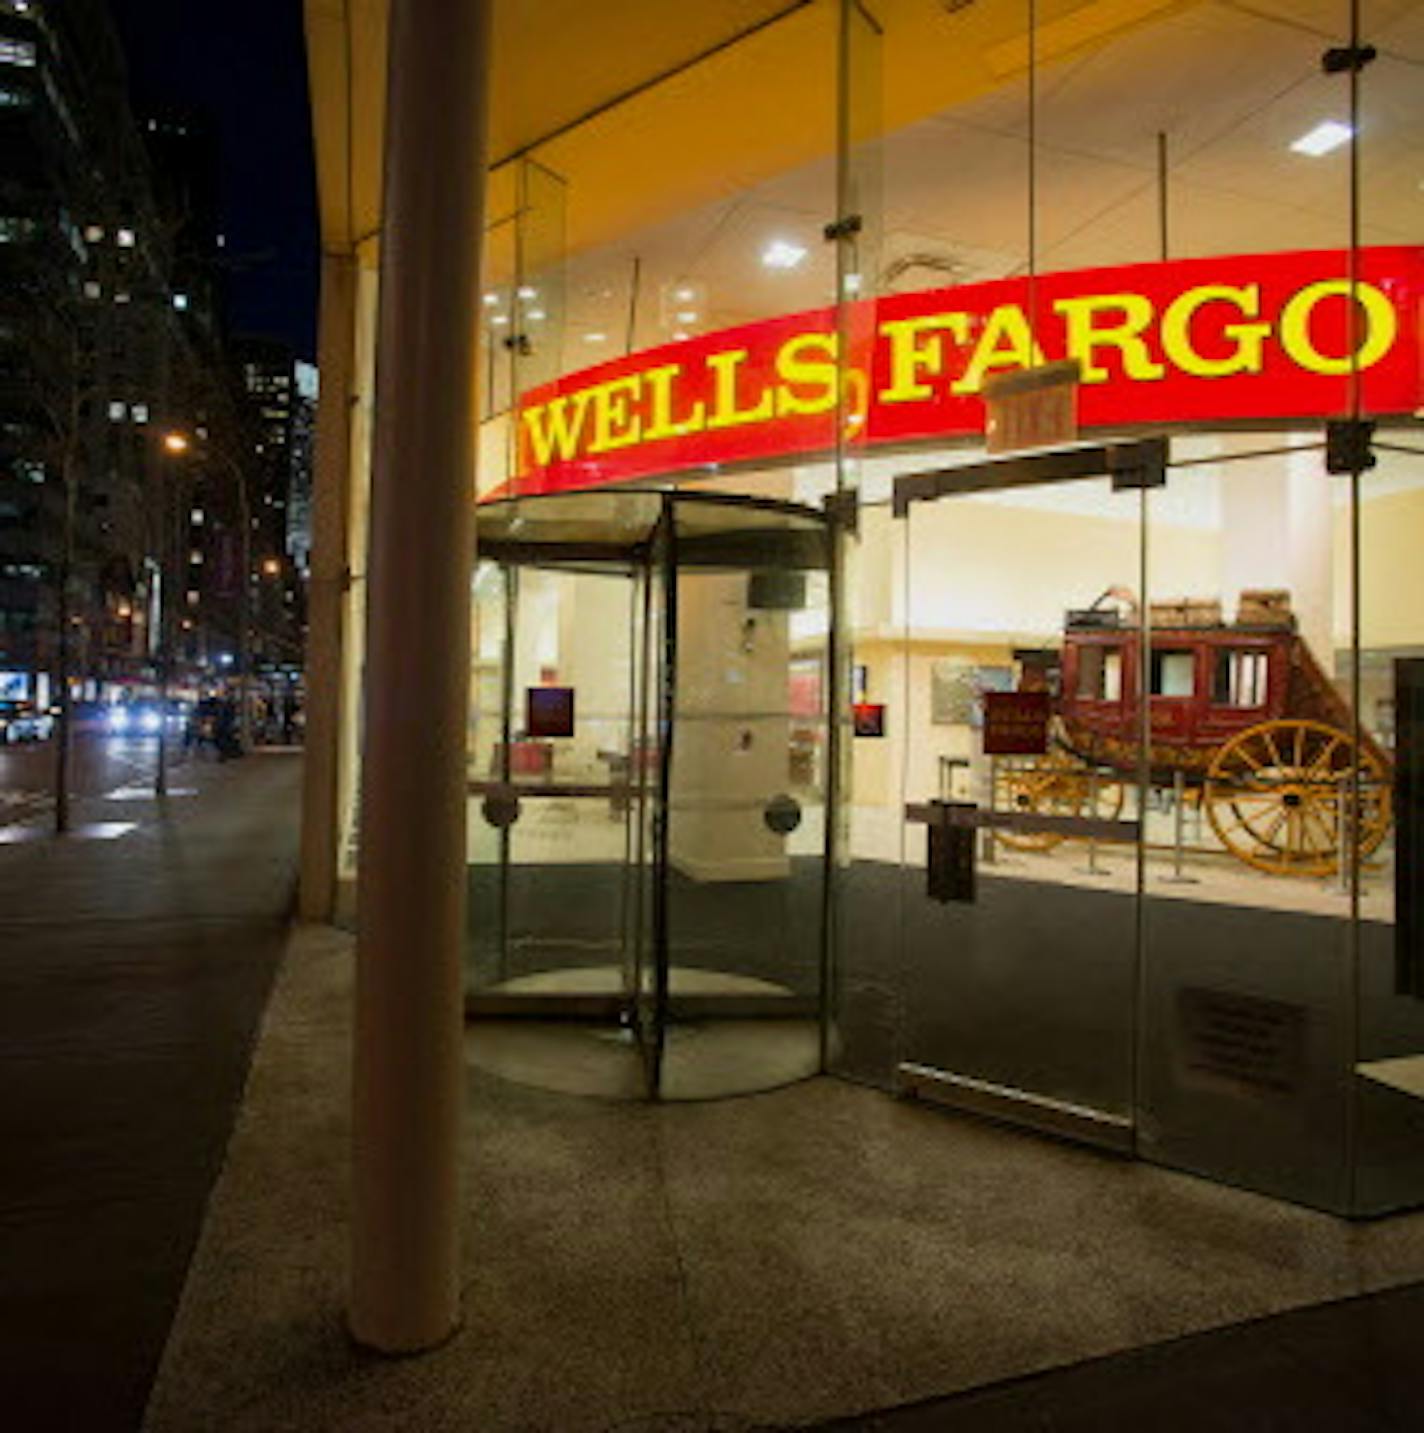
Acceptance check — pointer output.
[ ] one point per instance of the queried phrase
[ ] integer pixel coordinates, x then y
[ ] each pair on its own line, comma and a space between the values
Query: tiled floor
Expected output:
820, 1252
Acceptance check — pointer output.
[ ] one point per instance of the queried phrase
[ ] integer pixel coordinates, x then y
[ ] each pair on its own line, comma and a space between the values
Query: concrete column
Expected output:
730, 753
408, 1076
331, 481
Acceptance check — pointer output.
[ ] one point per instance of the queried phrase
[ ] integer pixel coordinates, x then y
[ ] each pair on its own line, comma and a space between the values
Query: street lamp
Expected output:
179, 443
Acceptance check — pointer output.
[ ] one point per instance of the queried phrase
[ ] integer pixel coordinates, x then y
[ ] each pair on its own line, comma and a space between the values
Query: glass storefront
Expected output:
1179, 917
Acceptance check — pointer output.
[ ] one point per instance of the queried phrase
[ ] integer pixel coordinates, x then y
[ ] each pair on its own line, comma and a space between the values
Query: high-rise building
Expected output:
96, 352
299, 490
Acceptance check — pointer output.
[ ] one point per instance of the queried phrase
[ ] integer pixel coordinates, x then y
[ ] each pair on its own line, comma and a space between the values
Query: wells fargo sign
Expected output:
1254, 337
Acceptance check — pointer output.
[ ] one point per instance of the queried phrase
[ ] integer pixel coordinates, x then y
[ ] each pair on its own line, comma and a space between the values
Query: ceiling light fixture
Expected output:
1327, 135
595, 338
525, 292
780, 254
491, 299
687, 316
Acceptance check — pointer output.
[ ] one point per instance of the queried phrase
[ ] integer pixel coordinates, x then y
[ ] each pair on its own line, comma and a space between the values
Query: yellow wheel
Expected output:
1054, 785
1276, 795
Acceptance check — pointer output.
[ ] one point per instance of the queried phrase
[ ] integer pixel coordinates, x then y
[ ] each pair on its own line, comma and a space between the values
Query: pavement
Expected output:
137, 957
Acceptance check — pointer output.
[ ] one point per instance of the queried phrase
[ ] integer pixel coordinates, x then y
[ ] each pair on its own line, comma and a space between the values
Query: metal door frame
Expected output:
1139, 465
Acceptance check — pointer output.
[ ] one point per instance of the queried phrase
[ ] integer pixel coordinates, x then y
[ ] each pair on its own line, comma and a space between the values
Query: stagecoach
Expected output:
1243, 721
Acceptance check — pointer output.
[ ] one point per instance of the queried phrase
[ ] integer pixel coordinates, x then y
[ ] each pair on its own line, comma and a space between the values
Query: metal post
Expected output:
1093, 868
1345, 825
244, 615
990, 852
1179, 824
409, 1075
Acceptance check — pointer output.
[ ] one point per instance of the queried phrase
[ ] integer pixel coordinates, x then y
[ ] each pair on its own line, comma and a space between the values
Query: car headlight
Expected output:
151, 721
118, 719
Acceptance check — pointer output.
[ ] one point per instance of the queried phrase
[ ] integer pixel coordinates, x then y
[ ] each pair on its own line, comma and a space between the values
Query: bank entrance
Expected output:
650, 778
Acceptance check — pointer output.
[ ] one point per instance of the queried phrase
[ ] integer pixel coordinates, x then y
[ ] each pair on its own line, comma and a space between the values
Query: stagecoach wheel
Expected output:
1057, 784
1275, 795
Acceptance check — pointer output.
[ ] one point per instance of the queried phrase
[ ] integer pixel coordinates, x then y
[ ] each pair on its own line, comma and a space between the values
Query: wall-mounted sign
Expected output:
1016, 723
1262, 337
548, 711
868, 718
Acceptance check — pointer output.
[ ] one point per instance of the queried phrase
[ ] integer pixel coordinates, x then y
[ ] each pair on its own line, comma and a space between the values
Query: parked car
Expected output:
23, 721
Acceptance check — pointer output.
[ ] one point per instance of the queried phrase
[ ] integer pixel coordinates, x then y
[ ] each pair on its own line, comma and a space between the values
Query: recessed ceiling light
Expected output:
525, 292
684, 295
595, 337
499, 320
686, 316
780, 254
491, 299
1327, 135
679, 336
536, 313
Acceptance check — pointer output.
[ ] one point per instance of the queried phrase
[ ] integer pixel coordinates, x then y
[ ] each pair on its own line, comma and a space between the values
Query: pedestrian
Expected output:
225, 730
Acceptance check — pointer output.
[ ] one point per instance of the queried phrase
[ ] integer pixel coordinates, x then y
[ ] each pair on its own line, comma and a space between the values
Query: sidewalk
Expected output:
136, 962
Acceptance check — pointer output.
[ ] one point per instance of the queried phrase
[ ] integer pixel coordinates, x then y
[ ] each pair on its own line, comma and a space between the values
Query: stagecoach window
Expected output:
1100, 673
1172, 673
1239, 679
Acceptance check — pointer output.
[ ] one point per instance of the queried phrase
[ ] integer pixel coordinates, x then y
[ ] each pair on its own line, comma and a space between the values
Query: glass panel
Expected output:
1020, 983
1388, 671
1249, 960
746, 812
554, 715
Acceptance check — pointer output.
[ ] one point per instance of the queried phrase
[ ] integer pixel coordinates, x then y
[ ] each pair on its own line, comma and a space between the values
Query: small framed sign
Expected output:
549, 711
1016, 723
868, 718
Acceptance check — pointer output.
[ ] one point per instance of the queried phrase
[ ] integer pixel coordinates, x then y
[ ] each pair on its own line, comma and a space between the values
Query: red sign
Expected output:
1016, 723
1246, 337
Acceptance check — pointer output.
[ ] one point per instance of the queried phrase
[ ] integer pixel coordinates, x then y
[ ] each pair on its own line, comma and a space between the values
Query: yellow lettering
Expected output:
1380, 327
1249, 338
1005, 343
661, 423
554, 428
725, 413
797, 370
909, 358
615, 425
1086, 336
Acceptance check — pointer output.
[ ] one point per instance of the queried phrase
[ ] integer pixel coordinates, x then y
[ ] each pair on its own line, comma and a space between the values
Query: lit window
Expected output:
17, 52
1239, 679
15, 228
195, 556
197, 517
117, 409
124, 238
180, 302
1172, 673
192, 598
91, 289
13, 98
139, 412
93, 233
122, 297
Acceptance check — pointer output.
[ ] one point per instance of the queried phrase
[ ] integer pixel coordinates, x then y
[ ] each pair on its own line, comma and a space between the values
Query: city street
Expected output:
102, 764
138, 955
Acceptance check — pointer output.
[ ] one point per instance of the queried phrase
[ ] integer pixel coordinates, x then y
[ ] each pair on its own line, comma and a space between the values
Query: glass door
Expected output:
1018, 719
650, 752
553, 832
744, 847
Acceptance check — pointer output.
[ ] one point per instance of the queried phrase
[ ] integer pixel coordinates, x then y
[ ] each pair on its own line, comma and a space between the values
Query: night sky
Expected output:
244, 66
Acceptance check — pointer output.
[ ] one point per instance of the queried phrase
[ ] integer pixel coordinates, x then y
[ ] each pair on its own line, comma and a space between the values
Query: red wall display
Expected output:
1257, 337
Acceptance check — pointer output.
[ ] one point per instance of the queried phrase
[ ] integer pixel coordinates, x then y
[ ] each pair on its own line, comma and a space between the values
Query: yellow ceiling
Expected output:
648, 109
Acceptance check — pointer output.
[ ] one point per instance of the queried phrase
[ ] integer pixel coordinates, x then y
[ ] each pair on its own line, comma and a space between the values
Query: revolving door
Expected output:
648, 784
